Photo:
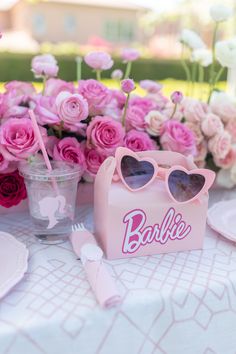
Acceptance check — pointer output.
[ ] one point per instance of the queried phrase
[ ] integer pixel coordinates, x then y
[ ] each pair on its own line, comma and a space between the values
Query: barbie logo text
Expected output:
172, 227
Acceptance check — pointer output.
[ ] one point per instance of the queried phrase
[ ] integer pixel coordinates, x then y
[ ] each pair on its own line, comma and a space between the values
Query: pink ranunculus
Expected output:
46, 110
194, 110
176, 97
69, 149
13, 105
169, 109
231, 128
155, 121
17, 139
55, 86
97, 95
98, 60
223, 106
105, 134
50, 143
117, 74
94, 159
20, 88
175, 136
44, 65
135, 118
139, 141
119, 97
196, 130
150, 86
228, 161
127, 85
145, 103
129, 54
12, 189
220, 145
211, 125
72, 109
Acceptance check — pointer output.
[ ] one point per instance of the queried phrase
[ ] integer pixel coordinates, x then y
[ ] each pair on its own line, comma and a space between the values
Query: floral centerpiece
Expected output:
84, 122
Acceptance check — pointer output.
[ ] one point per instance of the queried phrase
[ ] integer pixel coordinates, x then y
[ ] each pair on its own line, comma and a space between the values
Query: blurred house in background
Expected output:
81, 21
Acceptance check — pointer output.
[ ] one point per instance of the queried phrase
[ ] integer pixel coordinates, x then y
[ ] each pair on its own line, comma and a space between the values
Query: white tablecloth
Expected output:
174, 303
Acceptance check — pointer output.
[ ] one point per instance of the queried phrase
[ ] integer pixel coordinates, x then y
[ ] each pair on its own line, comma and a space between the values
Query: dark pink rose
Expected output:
176, 136
105, 134
17, 139
55, 86
96, 94
139, 141
135, 118
69, 149
94, 159
12, 189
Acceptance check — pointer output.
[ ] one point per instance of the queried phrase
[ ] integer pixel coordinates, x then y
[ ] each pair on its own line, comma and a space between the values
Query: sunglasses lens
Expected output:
136, 173
183, 186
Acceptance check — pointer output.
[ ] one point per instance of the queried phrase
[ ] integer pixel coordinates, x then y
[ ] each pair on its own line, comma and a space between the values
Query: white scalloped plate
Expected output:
221, 217
13, 262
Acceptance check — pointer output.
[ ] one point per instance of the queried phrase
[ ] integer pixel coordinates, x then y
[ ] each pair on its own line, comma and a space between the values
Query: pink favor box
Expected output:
144, 222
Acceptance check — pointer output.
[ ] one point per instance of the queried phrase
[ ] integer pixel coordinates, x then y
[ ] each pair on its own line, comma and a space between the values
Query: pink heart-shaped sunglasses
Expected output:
183, 185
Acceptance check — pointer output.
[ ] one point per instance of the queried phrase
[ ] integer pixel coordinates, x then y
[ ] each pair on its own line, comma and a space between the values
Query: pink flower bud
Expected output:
176, 97
127, 85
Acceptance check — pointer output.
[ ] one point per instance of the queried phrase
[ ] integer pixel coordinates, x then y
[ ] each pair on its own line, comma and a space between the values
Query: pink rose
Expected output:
96, 94
231, 128
135, 118
3, 163
105, 134
17, 139
150, 86
52, 140
223, 106
169, 109
12, 189
46, 110
175, 136
220, 145
71, 109
194, 110
13, 105
160, 100
55, 86
196, 130
69, 149
129, 54
119, 98
44, 65
139, 141
94, 159
155, 121
98, 60
145, 103
20, 88
228, 161
212, 125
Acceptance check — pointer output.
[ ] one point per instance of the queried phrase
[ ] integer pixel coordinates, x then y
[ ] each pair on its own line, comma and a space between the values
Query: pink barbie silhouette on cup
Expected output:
50, 206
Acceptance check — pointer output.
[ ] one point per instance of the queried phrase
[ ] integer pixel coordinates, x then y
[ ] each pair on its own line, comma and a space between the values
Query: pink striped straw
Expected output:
40, 139
42, 147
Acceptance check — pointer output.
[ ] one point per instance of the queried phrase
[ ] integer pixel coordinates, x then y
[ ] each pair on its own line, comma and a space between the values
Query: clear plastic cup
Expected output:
52, 198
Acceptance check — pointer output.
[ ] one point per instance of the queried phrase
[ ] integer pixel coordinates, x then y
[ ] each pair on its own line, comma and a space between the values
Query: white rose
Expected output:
202, 56
226, 53
191, 39
224, 179
223, 105
220, 12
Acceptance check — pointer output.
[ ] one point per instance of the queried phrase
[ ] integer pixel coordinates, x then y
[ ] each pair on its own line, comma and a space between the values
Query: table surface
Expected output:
174, 303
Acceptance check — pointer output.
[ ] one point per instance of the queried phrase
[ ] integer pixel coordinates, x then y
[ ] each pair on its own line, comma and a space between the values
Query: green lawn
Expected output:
169, 85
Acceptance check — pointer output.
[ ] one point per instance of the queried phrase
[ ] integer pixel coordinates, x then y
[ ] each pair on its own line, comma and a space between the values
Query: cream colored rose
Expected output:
212, 125
155, 120
220, 145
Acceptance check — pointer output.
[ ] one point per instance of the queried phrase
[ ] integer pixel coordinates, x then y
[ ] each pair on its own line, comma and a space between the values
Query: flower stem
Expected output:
98, 75
125, 110
186, 70
212, 67
128, 70
193, 78
174, 110
216, 79
78, 68
200, 77
44, 84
